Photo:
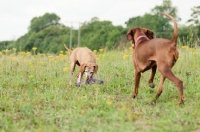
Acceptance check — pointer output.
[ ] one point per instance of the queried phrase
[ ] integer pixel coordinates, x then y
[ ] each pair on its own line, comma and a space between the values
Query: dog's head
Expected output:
136, 32
89, 69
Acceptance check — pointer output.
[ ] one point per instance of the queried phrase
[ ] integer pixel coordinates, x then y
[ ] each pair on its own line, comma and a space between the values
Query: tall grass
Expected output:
35, 95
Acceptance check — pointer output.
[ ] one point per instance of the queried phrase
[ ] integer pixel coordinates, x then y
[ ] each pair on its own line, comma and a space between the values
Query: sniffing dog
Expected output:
84, 58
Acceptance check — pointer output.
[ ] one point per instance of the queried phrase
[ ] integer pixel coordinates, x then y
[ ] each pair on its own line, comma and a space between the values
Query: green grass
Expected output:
35, 95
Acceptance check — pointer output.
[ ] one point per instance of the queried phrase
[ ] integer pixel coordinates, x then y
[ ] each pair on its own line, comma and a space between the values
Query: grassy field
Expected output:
35, 95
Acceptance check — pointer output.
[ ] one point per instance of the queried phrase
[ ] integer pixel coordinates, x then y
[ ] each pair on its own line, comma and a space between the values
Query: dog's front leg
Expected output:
137, 81
79, 76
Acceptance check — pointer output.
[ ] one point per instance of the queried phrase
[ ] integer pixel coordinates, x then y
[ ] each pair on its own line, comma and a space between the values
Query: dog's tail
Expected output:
67, 48
175, 34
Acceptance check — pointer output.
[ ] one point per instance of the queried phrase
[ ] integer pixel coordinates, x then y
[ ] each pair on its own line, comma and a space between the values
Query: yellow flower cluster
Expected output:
109, 102
65, 69
125, 56
6, 51
192, 50
95, 51
34, 48
101, 50
184, 47
24, 53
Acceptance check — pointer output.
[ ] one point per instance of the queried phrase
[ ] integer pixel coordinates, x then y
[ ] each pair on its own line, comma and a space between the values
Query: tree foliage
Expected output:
48, 34
195, 16
155, 20
99, 34
40, 23
195, 20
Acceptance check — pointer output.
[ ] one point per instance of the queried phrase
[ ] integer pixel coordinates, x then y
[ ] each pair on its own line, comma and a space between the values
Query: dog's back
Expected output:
83, 55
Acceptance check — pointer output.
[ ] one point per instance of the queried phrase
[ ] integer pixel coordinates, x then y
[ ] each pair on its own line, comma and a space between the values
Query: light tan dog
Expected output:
84, 58
155, 53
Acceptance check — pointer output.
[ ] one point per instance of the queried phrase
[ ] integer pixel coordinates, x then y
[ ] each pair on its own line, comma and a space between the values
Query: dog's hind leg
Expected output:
137, 81
153, 72
72, 68
166, 72
160, 89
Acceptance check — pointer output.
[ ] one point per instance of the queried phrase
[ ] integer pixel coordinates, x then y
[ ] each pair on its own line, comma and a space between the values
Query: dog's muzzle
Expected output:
88, 74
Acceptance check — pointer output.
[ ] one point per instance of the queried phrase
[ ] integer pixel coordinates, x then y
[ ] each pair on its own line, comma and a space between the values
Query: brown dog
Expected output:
84, 58
155, 53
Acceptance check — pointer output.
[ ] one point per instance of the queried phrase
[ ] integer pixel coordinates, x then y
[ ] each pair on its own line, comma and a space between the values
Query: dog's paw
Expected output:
152, 85
181, 103
87, 82
153, 101
134, 96
78, 84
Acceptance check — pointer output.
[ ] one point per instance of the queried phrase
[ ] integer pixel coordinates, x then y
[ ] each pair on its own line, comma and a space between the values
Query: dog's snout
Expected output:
89, 72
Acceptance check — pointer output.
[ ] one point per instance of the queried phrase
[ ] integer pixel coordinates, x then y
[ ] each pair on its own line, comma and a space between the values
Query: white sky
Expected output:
15, 15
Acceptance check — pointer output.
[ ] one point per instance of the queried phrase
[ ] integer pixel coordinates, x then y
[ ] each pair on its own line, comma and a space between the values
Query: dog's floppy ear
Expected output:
82, 68
95, 68
130, 35
149, 33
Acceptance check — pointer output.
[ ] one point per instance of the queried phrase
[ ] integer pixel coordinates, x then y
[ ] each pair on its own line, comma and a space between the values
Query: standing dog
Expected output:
84, 58
155, 53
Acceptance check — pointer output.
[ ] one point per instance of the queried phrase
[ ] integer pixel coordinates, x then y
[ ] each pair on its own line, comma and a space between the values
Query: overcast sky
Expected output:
15, 15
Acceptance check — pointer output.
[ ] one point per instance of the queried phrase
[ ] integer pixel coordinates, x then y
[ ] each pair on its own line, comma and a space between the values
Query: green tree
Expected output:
155, 20
195, 20
195, 16
166, 7
100, 34
39, 23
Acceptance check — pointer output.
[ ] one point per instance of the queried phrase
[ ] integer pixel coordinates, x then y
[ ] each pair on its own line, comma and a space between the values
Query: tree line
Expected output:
48, 34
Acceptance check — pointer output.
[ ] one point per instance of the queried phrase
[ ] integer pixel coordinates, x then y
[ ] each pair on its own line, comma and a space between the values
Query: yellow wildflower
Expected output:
50, 57
6, 51
28, 53
124, 56
61, 55
65, 69
31, 76
21, 53
101, 50
95, 51
194, 52
14, 49
41, 62
0, 53
184, 47
109, 102
34, 48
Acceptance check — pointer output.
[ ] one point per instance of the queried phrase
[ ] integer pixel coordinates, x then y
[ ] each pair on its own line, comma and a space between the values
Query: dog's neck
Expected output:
138, 38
